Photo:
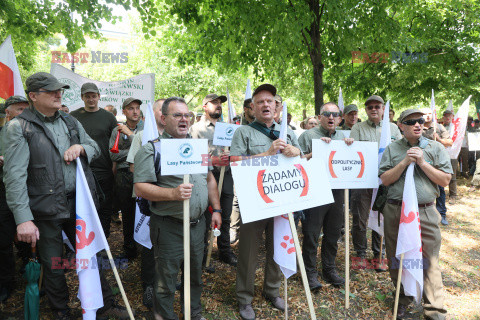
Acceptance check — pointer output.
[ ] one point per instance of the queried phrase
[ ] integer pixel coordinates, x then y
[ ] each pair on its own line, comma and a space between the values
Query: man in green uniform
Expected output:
99, 125
13, 107
329, 216
350, 115
250, 141
247, 116
432, 168
435, 131
124, 177
369, 130
205, 129
166, 195
41, 145
147, 264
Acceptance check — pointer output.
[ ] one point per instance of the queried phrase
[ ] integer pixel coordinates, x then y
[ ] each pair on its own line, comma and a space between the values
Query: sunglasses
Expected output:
328, 114
378, 107
412, 122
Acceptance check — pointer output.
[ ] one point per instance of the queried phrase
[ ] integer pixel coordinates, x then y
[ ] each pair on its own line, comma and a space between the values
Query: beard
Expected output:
215, 115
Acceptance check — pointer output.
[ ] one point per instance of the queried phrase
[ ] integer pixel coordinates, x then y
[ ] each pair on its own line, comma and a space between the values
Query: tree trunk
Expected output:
314, 50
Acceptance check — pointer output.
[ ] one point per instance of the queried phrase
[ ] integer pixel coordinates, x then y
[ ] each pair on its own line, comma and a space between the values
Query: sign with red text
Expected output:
224, 133
349, 167
183, 156
271, 186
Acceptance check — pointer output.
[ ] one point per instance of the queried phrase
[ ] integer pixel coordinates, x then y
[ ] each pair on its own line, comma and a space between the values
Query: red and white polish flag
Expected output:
284, 247
409, 241
10, 80
458, 129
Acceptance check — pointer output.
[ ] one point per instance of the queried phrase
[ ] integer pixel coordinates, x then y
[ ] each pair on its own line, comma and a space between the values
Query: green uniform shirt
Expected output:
205, 129
145, 172
248, 141
244, 120
306, 138
441, 131
368, 131
124, 145
345, 127
17, 154
434, 153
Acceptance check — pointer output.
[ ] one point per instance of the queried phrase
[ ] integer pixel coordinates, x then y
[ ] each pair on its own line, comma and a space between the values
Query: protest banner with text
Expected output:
271, 186
183, 156
349, 167
224, 133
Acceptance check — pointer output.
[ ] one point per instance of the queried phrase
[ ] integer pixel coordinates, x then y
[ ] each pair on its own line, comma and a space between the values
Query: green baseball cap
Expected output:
213, 96
89, 87
130, 100
350, 108
13, 100
375, 98
43, 80
408, 112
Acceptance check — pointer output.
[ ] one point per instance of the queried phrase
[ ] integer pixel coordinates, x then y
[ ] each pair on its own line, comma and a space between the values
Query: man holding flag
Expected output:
205, 129
432, 168
41, 145
329, 216
369, 130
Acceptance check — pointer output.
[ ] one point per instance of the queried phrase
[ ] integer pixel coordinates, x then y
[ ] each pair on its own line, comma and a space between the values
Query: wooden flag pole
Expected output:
399, 283
212, 237
286, 298
302, 267
347, 250
186, 253
120, 286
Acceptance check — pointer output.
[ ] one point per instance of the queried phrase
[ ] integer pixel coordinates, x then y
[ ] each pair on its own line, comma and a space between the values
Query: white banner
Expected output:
271, 186
459, 127
183, 156
141, 87
283, 246
224, 133
474, 141
349, 167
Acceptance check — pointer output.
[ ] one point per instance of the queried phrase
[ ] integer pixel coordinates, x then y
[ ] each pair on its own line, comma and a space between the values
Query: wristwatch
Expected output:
217, 210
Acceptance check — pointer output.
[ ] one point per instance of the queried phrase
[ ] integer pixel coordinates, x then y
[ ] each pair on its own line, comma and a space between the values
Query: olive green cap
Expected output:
43, 80
408, 112
130, 100
350, 108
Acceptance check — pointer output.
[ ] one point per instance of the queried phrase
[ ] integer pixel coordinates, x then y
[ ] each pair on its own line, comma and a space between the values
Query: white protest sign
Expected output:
349, 167
271, 186
224, 133
141, 87
183, 156
474, 141
346, 133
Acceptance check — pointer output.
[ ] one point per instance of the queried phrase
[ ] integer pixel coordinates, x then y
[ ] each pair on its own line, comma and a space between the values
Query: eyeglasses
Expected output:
328, 114
54, 92
412, 122
378, 107
179, 116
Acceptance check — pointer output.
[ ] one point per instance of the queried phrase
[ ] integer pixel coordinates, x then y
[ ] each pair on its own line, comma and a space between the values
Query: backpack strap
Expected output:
156, 154
272, 134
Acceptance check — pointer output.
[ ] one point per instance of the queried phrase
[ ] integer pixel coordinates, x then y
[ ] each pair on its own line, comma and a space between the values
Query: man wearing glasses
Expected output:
41, 146
99, 124
329, 216
166, 195
205, 129
432, 168
369, 130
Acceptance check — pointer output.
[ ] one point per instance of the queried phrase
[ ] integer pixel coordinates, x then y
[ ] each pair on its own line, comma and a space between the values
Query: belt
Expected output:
180, 221
399, 203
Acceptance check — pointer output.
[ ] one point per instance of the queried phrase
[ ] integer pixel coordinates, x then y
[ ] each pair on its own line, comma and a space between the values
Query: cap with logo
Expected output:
350, 108
89, 87
265, 87
408, 112
43, 80
213, 96
375, 98
278, 98
130, 100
